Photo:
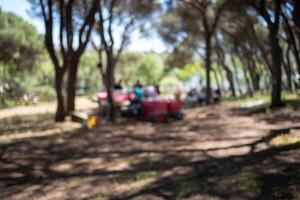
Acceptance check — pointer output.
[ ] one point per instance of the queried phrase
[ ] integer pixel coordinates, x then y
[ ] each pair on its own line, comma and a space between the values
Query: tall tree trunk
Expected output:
229, 76
60, 109
292, 41
235, 69
250, 90
276, 71
288, 69
109, 86
222, 78
208, 66
71, 87
296, 19
296, 16
254, 60
251, 67
240, 53
217, 79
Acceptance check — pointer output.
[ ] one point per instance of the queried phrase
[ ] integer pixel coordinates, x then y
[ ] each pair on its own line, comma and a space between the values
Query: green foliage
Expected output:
148, 68
151, 69
170, 81
20, 43
21, 52
89, 79
188, 71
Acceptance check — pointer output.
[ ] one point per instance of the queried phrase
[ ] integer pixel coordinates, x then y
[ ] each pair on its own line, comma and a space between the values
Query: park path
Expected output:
197, 158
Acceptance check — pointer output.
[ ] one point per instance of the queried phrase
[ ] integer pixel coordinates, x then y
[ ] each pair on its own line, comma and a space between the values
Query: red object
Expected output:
157, 111
154, 109
118, 97
174, 107
98, 119
157, 90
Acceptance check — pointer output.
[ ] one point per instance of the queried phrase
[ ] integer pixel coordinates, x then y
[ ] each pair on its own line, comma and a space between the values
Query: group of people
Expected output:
195, 96
141, 92
149, 92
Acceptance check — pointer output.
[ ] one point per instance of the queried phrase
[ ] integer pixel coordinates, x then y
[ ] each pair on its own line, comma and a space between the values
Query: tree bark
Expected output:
288, 69
256, 74
217, 79
208, 67
60, 109
235, 69
229, 74
276, 68
109, 86
296, 14
222, 78
292, 42
296, 19
250, 90
251, 67
66, 35
230, 79
72, 82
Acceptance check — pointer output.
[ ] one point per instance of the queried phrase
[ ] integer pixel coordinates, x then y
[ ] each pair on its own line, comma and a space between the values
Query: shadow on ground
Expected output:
33, 123
203, 157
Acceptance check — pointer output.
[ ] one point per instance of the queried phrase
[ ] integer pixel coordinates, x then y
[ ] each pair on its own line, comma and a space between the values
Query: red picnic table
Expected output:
159, 110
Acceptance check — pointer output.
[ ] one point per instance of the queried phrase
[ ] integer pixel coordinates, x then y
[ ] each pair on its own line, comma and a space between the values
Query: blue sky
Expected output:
21, 8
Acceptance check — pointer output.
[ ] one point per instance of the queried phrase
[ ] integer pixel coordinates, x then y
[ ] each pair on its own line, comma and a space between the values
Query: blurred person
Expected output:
138, 84
217, 95
149, 92
138, 92
118, 85
177, 94
192, 97
202, 95
157, 90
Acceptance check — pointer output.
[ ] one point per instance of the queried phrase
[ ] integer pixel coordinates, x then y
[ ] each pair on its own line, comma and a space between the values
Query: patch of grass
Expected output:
97, 197
119, 179
245, 99
285, 139
145, 175
25, 123
293, 102
291, 99
74, 182
9, 103
261, 108
247, 181
58, 140
127, 183
190, 187
287, 97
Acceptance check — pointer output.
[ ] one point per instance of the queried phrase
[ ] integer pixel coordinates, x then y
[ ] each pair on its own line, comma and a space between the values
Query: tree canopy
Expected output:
20, 43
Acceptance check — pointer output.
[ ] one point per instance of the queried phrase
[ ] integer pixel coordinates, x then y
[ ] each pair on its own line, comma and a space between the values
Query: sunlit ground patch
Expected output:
286, 139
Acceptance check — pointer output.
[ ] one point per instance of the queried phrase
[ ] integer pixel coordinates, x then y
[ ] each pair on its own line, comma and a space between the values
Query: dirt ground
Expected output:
216, 152
82, 103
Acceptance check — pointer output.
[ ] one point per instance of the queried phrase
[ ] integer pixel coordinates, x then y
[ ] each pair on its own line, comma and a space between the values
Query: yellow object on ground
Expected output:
91, 122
